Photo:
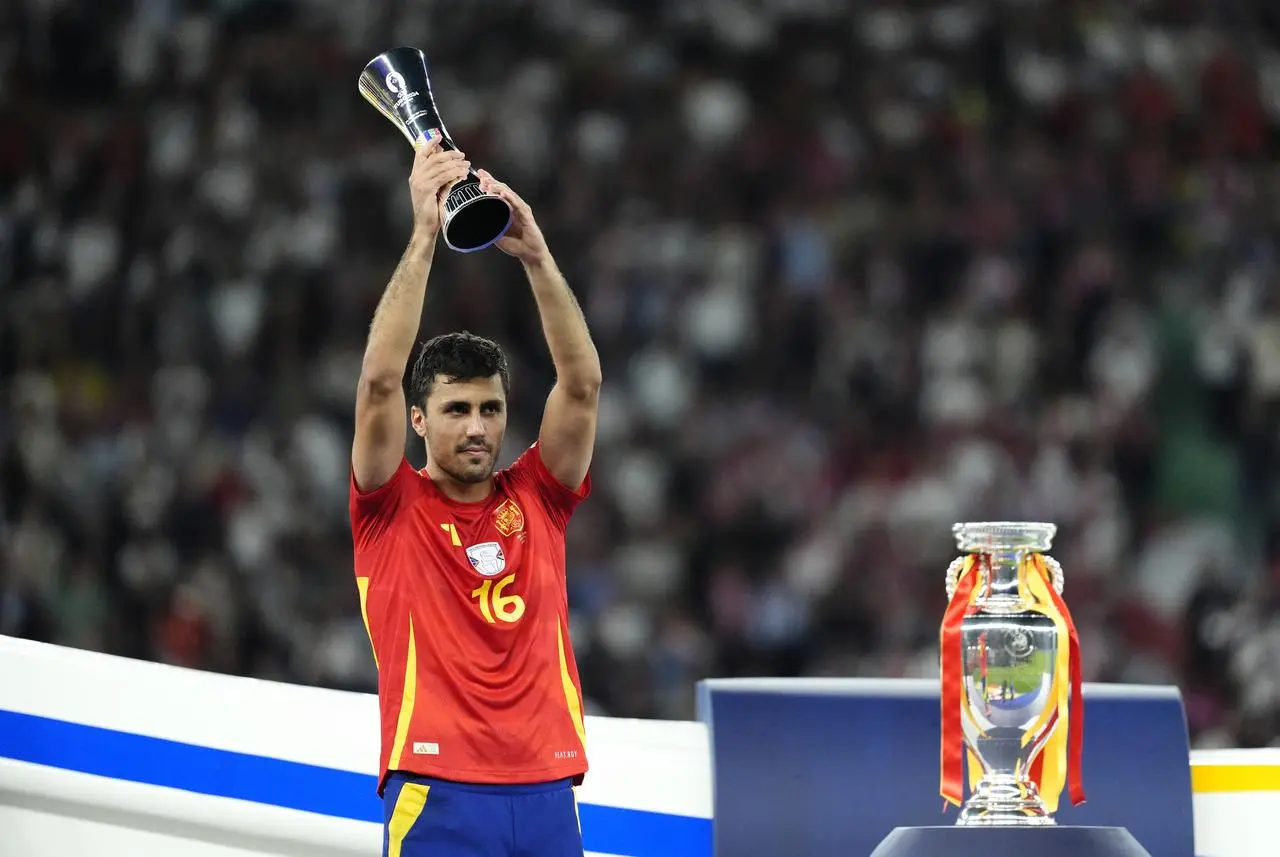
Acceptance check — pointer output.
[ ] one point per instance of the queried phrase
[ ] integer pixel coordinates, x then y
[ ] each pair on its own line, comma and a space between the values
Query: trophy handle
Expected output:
1056, 570
953, 575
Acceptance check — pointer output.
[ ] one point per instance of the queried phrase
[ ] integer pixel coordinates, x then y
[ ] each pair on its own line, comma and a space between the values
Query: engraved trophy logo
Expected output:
1011, 704
397, 85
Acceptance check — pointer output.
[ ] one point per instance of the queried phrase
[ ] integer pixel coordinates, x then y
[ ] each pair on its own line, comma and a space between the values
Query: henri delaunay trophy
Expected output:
396, 83
1012, 710
1011, 706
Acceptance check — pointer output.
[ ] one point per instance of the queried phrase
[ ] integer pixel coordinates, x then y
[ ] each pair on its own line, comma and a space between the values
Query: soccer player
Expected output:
460, 568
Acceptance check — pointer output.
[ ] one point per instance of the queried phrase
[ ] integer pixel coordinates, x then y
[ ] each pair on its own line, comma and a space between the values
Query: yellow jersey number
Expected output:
496, 607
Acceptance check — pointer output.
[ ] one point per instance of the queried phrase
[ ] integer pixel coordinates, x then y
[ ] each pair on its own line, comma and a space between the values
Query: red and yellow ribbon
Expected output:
1058, 762
1061, 760
953, 748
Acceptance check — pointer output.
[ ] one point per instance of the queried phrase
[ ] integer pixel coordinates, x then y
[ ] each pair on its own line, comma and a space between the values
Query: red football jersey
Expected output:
468, 614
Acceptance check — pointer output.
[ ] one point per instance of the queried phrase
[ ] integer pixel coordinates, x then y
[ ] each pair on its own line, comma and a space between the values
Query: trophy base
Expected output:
1002, 801
1003, 818
1056, 841
474, 219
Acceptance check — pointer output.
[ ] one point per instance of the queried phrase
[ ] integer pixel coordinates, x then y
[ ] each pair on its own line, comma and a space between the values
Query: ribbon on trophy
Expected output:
1059, 761
953, 695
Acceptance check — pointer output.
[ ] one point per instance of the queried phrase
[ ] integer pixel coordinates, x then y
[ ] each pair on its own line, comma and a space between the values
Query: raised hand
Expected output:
435, 171
523, 239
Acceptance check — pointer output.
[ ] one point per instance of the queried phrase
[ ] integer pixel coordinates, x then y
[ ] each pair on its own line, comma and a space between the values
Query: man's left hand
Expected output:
523, 239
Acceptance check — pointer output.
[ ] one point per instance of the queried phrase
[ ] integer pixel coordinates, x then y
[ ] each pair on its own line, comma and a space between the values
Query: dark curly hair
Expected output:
458, 357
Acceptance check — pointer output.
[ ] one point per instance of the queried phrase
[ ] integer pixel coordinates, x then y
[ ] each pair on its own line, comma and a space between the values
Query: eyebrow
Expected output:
453, 403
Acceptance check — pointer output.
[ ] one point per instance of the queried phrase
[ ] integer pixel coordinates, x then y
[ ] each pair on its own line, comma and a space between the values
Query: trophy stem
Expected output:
1004, 801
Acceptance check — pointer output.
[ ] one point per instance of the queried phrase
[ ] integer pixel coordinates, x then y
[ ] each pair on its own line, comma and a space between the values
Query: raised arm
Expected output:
380, 406
567, 437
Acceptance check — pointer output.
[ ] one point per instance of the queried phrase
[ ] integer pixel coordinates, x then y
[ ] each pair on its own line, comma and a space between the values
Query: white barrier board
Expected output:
241, 766
103, 756
1237, 802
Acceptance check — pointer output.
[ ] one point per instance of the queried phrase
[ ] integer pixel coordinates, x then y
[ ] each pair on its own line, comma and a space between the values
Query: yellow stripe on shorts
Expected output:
409, 805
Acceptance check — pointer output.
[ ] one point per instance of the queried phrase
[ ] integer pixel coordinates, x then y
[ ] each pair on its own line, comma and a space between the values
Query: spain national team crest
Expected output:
508, 518
487, 558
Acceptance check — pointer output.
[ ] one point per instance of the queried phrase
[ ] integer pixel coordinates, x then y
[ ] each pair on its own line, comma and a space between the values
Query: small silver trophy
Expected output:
1005, 643
397, 85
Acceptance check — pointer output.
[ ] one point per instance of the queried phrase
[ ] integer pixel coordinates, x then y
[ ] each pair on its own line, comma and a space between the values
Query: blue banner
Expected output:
816, 767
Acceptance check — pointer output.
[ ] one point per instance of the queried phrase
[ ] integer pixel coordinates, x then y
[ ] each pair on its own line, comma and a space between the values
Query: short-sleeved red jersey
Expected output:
467, 611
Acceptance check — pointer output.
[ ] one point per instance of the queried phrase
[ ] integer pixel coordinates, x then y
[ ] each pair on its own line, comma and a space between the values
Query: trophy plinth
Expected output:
1056, 841
396, 83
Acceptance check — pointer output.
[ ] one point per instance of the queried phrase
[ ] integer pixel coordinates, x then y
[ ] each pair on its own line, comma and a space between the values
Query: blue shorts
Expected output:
428, 817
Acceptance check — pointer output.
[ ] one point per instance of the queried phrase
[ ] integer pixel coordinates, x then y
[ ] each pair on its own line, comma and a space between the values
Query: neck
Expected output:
461, 492
1004, 573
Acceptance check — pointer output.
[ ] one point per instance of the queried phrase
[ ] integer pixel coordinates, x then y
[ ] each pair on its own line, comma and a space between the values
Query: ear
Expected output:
418, 420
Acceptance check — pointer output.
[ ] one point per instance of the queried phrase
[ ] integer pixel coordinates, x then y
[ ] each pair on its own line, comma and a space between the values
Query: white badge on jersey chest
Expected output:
487, 558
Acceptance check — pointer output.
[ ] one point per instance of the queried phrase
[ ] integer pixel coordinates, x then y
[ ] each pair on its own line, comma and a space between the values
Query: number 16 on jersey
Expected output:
496, 607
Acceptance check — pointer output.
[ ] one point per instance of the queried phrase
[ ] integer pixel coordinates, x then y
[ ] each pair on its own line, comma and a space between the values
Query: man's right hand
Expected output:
435, 171
378, 447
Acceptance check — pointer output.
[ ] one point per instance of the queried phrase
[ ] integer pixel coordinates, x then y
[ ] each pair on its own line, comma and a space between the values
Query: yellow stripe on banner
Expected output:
406, 700
409, 805
1218, 779
570, 692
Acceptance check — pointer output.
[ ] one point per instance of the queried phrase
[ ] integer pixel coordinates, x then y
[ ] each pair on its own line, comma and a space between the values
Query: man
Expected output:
461, 569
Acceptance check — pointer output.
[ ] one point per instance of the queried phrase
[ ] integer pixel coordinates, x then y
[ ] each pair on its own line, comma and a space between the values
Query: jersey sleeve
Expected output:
558, 499
373, 511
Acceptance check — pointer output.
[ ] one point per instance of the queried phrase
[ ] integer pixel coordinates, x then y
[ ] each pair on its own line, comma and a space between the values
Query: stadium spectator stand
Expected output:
854, 277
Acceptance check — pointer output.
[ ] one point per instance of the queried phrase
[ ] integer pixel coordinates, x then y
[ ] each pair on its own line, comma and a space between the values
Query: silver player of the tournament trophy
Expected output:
1010, 678
396, 83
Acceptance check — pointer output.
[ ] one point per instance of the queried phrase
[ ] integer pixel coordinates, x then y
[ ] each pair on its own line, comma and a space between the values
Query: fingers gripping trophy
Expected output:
397, 85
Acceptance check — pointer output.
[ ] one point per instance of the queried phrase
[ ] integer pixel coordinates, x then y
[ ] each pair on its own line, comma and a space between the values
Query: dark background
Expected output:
853, 277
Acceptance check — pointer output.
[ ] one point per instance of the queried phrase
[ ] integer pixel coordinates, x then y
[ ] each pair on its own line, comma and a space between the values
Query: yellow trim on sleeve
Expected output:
570, 691
406, 701
362, 583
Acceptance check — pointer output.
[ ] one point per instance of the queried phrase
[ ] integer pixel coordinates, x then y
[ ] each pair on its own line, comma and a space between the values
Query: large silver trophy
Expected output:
397, 85
1010, 677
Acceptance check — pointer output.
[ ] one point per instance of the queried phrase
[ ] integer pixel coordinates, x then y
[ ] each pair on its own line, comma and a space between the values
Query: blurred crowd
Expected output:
854, 277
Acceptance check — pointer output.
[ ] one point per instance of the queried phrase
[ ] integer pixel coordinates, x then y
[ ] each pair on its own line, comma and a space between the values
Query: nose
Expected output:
475, 427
